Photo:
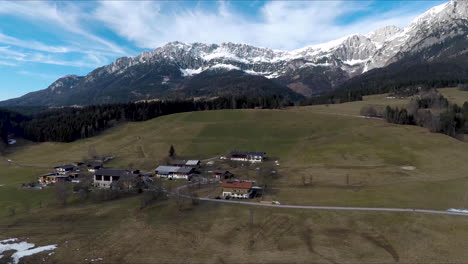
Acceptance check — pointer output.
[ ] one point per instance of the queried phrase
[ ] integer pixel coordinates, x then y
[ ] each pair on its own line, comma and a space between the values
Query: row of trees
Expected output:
355, 91
432, 111
69, 124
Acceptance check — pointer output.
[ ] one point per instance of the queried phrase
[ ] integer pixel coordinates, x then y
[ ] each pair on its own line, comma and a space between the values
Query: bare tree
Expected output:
369, 110
92, 153
154, 192
462, 87
179, 201
83, 188
140, 152
62, 192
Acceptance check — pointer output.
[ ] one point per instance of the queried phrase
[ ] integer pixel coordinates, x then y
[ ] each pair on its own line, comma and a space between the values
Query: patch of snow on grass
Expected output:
19, 254
22, 249
8, 240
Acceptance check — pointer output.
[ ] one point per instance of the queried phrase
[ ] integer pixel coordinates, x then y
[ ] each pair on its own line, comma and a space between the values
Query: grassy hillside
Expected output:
379, 101
327, 157
454, 95
347, 160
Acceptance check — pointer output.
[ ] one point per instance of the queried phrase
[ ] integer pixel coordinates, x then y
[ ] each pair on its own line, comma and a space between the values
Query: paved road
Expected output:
329, 208
338, 208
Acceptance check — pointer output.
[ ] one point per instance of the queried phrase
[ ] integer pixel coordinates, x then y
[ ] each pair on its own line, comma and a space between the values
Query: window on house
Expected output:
98, 177
106, 178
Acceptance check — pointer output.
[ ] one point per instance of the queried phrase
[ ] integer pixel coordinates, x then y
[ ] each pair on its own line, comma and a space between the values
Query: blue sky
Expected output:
42, 41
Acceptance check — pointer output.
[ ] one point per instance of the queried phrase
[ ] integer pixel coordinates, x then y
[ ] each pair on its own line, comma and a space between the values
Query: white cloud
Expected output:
150, 24
12, 57
31, 44
6, 63
40, 75
66, 16
279, 24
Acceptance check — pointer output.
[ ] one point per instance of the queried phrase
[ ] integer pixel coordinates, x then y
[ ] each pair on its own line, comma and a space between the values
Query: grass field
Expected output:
329, 149
327, 158
379, 101
454, 95
119, 232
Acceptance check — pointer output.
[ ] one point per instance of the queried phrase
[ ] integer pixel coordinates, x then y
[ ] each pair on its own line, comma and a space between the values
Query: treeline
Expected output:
356, 93
69, 124
432, 111
399, 79
335, 97
10, 123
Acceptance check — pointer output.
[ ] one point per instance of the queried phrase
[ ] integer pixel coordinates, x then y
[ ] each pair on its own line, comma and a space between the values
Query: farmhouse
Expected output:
65, 168
93, 167
74, 177
52, 178
104, 178
247, 156
236, 189
174, 172
222, 174
185, 163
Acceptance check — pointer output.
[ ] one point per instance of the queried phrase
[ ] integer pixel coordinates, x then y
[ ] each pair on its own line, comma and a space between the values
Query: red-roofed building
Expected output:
236, 189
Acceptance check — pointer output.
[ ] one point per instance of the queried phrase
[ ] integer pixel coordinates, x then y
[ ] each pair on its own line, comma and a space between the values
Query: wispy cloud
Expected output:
283, 25
12, 57
32, 44
7, 63
67, 16
40, 75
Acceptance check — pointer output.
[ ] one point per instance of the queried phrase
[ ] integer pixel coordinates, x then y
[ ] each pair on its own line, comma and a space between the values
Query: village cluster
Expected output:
189, 170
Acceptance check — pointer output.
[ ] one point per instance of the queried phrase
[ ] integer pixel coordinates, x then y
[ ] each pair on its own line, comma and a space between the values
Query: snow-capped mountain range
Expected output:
308, 71
354, 54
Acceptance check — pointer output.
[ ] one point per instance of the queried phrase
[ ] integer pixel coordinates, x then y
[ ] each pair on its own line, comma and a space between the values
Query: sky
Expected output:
41, 41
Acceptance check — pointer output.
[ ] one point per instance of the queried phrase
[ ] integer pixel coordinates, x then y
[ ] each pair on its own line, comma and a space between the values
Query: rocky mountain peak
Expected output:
66, 82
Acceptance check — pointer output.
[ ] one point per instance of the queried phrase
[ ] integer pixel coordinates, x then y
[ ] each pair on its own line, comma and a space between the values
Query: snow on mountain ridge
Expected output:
361, 52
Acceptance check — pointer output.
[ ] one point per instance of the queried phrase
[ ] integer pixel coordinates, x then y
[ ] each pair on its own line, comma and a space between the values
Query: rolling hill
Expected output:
327, 143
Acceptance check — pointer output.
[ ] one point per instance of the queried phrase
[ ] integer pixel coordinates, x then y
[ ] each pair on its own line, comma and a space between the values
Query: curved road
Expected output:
339, 208
330, 208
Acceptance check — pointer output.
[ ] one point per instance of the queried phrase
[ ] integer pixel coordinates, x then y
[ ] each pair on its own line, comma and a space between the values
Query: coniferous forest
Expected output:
69, 124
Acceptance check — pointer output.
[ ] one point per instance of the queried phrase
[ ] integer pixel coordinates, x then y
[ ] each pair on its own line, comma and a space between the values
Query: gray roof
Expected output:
66, 167
192, 162
250, 153
173, 169
185, 170
114, 172
166, 169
